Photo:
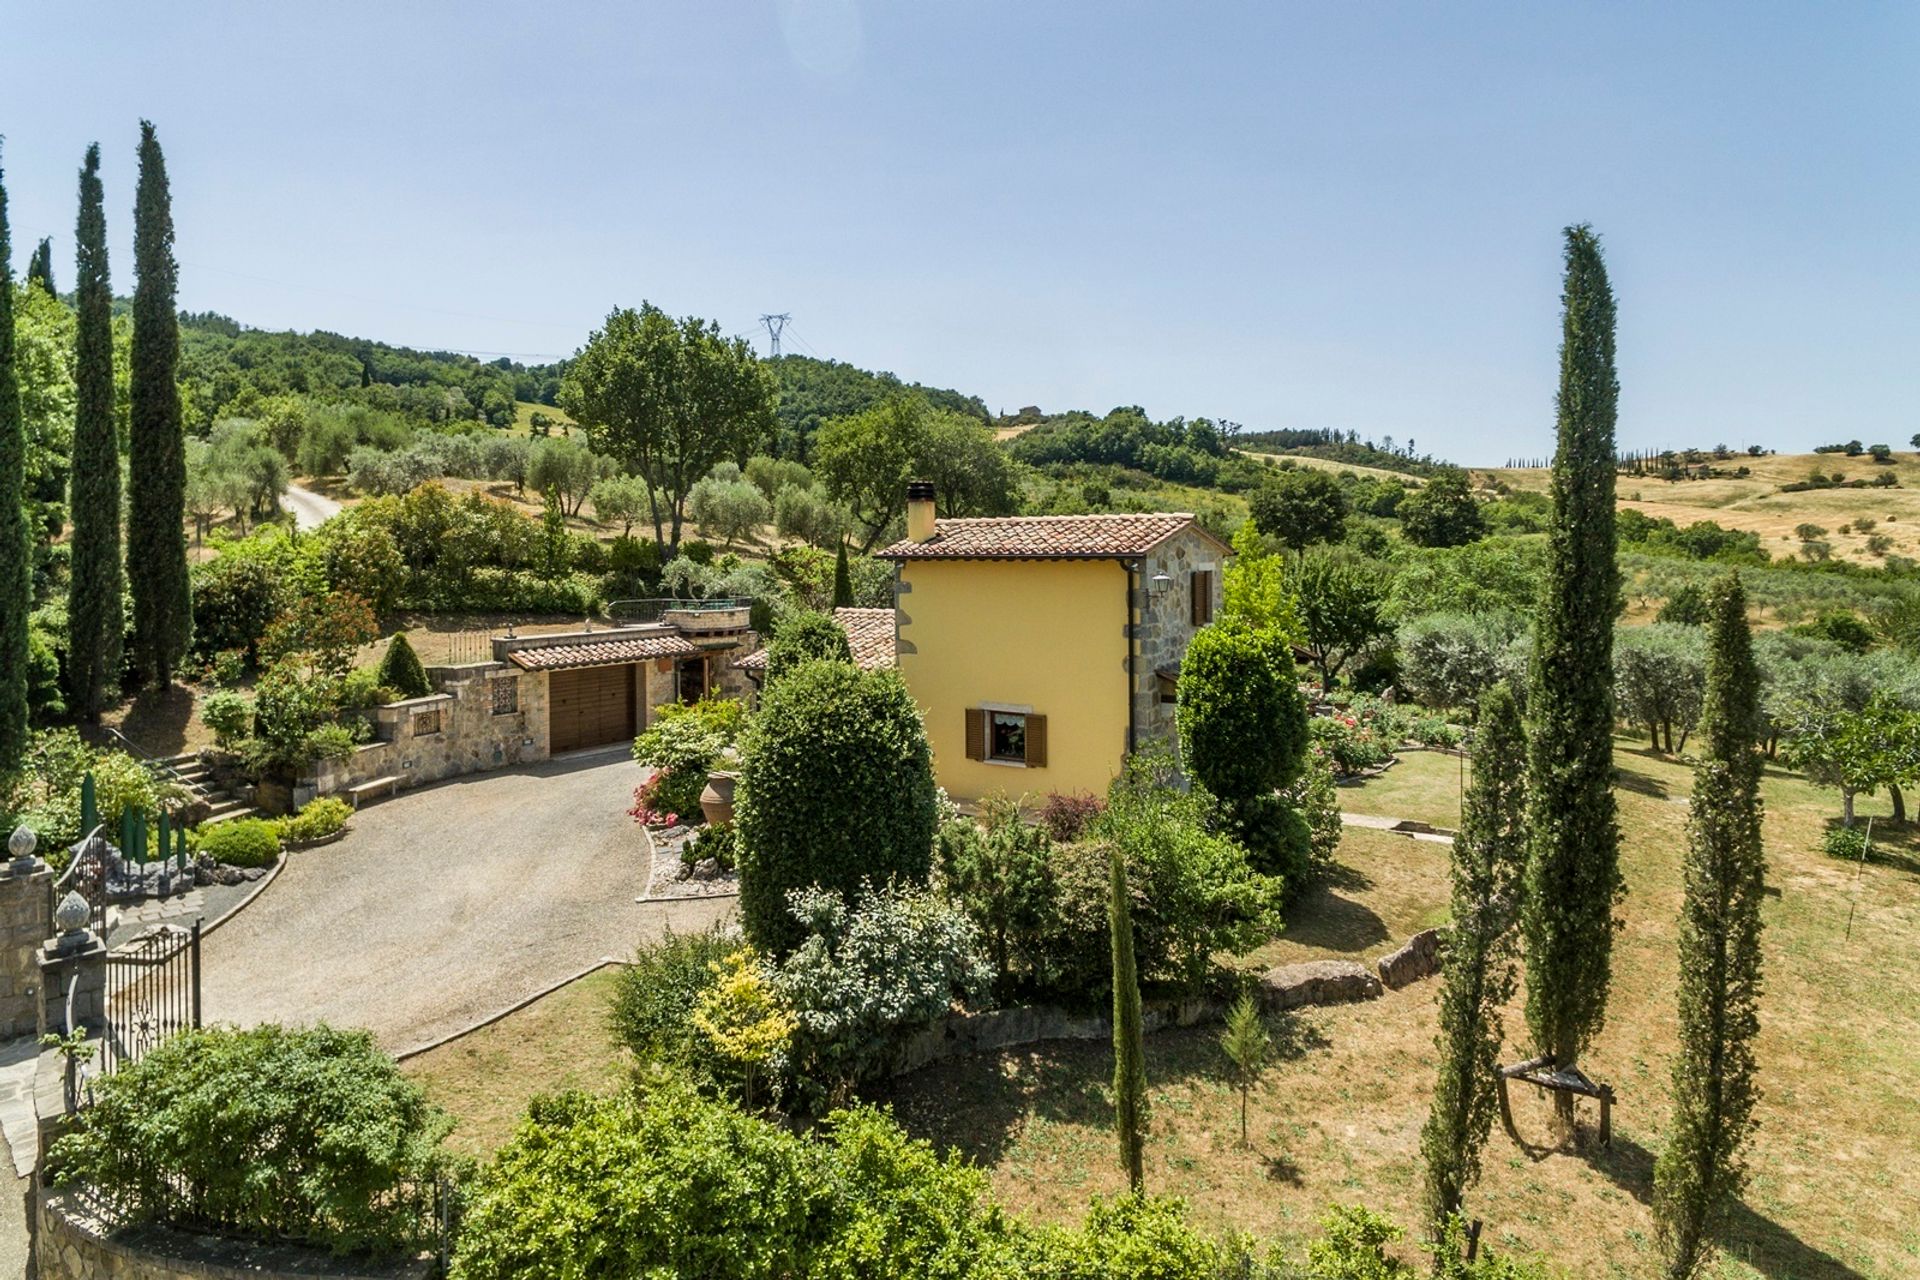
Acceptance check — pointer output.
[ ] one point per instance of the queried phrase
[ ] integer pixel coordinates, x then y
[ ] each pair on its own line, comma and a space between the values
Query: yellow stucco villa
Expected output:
1043, 648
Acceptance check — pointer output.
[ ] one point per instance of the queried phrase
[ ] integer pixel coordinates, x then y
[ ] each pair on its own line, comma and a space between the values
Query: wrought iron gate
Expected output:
153, 991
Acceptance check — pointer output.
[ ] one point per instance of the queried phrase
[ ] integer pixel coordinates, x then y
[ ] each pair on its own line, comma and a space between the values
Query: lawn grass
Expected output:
523, 411
487, 1077
1337, 1120
1422, 785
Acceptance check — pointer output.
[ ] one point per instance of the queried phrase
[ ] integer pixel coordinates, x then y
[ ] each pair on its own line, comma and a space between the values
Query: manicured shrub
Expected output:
241, 842
868, 977
654, 997
1243, 726
322, 817
229, 715
400, 669
805, 636
341, 1150
670, 1183
836, 788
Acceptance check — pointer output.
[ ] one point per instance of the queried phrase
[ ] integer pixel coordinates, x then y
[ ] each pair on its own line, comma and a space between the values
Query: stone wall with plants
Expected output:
461, 728
73, 1244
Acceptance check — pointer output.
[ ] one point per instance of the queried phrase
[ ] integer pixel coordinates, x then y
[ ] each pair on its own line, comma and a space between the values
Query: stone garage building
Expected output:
547, 695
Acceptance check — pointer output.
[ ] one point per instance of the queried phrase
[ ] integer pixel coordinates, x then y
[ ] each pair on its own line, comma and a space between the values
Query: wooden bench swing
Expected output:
1540, 1072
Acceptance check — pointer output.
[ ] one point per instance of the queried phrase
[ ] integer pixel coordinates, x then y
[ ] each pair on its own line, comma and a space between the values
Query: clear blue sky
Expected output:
1327, 214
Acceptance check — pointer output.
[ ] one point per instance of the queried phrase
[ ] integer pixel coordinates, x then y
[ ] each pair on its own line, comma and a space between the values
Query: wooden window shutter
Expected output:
1036, 742
1202, 602
976, 734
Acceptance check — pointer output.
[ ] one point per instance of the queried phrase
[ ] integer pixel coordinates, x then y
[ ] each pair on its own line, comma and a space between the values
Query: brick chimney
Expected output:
919, 511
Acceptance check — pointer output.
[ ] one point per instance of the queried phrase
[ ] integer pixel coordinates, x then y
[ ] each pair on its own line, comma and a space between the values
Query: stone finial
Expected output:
21, 845
72, 913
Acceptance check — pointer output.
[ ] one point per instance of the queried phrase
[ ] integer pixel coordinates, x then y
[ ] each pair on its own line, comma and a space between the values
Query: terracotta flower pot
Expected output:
716, 800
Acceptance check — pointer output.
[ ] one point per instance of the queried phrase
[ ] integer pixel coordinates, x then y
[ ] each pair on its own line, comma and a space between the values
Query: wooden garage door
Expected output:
590, 707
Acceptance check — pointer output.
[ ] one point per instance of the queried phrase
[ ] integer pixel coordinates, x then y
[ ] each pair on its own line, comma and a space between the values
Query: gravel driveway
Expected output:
447, 904
310, 509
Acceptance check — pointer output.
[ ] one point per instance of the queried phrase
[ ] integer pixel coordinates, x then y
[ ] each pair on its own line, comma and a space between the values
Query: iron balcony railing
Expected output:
635, 612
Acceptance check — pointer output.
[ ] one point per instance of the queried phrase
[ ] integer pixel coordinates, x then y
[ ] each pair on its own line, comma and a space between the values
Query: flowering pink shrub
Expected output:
1066, 815
645, 796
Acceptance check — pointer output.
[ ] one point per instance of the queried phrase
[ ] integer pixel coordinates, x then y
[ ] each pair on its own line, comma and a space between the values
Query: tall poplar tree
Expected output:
40, 269
1701, 1168
16, 570
1129, 1047
1476, 980
1573, 863
157, 456
95, 615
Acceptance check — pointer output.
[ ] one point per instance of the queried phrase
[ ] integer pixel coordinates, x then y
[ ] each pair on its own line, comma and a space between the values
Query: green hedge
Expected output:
836, 789
322, 817
310, 1135
663, 1181
242, 842
803, 636
1243, 724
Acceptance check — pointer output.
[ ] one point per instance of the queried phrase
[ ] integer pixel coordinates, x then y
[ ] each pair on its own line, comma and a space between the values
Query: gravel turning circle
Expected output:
446, 905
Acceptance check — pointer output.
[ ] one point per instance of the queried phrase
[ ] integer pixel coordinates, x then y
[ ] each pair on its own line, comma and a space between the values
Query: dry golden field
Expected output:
1755, 503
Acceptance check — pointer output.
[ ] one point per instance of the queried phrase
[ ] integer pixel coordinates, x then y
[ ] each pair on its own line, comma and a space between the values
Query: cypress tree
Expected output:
1476, 980
1129, 1050
1573, 863
1713, 1075
842, 579
95, 617
157, 457
16, 552
40, 270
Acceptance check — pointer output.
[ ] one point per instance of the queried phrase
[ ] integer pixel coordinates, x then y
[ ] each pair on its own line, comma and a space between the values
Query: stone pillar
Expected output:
26, 918
76, 958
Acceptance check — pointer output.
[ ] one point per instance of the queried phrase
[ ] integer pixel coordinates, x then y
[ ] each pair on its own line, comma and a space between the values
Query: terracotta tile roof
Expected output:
1044, 537
869, 634
601, 653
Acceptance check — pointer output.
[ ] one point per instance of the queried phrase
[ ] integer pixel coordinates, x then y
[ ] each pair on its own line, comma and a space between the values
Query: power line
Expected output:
775, 323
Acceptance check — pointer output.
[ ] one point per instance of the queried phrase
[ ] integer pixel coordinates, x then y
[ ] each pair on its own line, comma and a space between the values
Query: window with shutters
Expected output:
1007, 737
1201, 582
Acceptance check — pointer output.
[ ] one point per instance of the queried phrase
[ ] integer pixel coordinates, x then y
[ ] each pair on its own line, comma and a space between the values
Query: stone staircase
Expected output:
192, 772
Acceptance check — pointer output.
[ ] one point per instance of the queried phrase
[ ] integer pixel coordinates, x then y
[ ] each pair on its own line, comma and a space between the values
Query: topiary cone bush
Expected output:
836, 788
400, 669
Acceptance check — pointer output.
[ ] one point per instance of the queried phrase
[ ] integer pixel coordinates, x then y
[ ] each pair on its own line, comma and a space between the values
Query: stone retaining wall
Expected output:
73, 1245
1287, 986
